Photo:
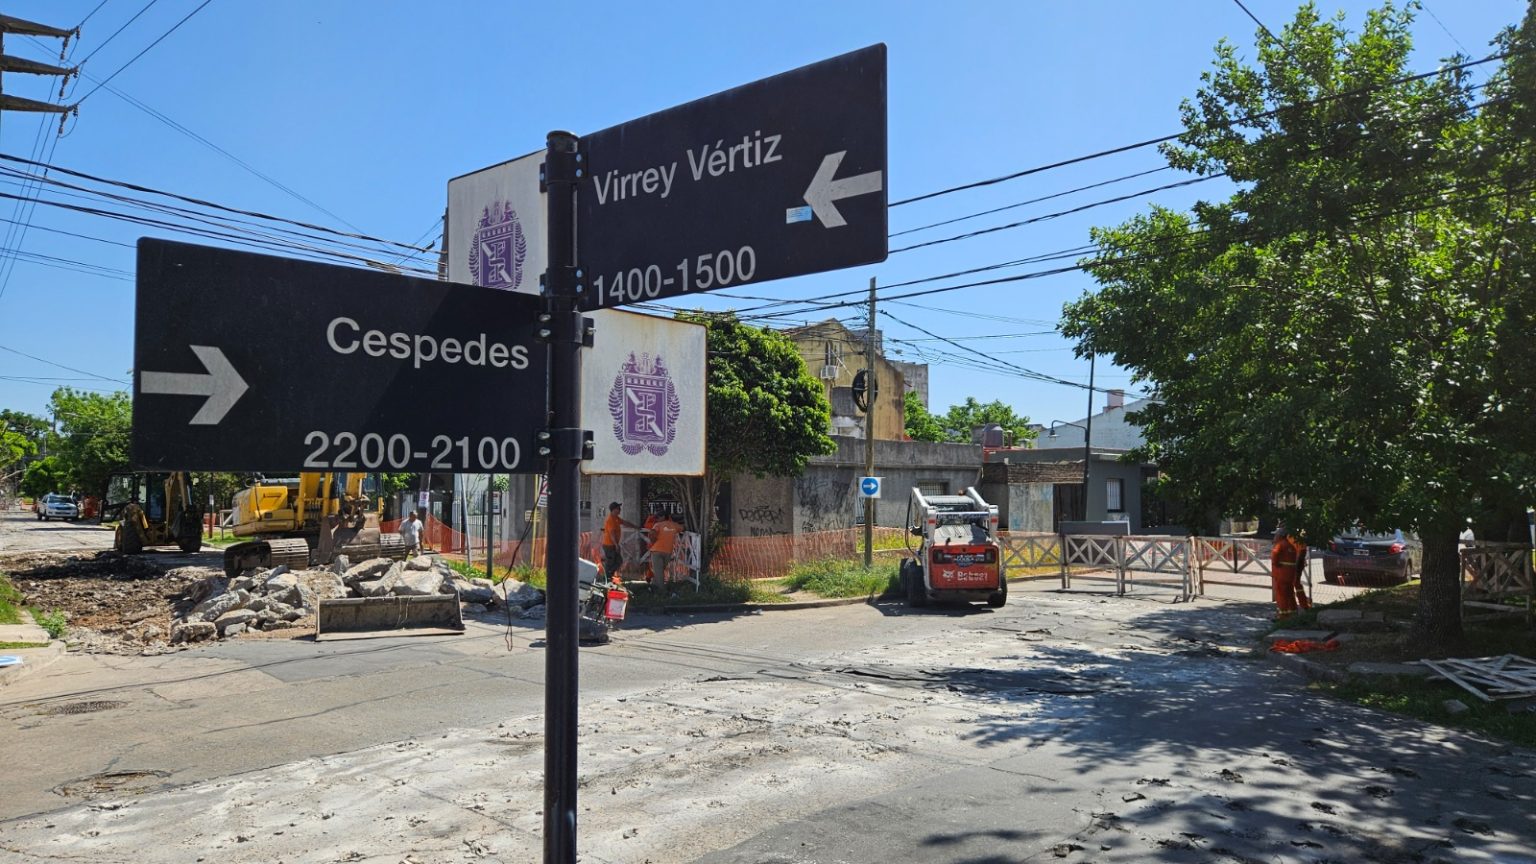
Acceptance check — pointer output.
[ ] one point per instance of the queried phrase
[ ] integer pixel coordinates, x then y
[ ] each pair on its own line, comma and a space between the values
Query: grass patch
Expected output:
10, 602
1424, 700
524, 573
7, 646
833, 577
712, 591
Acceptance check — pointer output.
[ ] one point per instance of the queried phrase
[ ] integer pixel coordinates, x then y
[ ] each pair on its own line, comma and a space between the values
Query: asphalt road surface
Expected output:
1076, 727
22, 531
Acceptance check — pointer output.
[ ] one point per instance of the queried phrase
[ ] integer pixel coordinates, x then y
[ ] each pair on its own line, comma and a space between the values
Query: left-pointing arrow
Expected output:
222, 385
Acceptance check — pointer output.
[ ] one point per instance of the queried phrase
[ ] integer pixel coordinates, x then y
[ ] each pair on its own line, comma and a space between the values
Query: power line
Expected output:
136, 57
178, 127
210, 204
1245, 119
92, 12
61, 365
1032, 201
116, 32
1058, 214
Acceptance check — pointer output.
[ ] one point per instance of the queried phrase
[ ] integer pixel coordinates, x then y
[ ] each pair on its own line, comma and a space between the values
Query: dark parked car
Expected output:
1363, 558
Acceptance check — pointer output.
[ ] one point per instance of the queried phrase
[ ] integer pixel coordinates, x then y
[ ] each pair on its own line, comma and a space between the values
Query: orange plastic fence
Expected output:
438, 536
735, 558
768, 557
1303, 646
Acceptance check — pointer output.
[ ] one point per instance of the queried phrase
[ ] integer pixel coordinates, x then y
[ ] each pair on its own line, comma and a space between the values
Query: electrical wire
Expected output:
136, 57
61, 365
116, 32
1240, 120
256, 214
1031, 201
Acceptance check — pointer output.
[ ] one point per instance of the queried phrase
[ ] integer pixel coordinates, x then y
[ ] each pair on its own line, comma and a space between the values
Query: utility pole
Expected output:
1087, 438
32, 67
871, 394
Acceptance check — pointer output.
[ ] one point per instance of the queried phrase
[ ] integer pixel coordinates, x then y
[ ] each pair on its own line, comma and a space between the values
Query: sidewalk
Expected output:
17, 663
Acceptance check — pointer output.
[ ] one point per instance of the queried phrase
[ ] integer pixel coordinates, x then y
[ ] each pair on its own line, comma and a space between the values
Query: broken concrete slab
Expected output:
235, 618
418, 583
420, 562
193, 631
367, 571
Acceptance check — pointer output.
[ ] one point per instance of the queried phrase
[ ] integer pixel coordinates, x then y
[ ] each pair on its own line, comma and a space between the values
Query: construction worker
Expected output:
662, 545
613, 532
1286, 558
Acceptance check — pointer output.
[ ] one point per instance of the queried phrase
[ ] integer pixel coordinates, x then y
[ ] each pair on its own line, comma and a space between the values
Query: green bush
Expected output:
832, 577
54, 622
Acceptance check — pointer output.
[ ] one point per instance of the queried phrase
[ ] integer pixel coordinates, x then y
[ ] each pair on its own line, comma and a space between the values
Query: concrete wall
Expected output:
1105, 468
830, 340
1031, 507
824, 497
761, 507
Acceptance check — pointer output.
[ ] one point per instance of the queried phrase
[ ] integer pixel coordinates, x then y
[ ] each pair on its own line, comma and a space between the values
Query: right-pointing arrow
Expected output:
824, 191
222, 385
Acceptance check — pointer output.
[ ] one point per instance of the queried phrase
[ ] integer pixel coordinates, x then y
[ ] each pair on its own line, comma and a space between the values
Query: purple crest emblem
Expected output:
644, 405
497, 253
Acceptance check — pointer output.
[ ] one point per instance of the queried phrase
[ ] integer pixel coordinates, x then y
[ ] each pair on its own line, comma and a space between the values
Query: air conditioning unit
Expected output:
829, 373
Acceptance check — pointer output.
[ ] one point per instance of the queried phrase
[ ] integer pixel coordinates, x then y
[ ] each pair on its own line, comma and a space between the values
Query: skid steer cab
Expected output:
959, 558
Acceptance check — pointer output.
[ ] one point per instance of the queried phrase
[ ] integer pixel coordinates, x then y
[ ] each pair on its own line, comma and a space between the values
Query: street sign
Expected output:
781, 177
869, 487
495, 226
247, 362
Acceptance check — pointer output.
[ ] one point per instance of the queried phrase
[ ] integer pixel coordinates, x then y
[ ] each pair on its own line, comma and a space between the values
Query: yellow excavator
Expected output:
153, 509
307, 521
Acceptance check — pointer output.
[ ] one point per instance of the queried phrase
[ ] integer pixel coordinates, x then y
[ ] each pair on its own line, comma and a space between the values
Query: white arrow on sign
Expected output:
824, 192
222, 385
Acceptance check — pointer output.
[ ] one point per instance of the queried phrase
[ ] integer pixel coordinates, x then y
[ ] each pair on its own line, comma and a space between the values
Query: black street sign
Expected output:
781, 177
248, 362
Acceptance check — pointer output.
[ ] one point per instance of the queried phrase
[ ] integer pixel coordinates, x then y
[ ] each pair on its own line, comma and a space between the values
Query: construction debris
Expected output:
1490, 678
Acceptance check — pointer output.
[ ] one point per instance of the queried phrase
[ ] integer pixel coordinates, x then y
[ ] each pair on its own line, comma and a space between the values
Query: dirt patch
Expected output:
116, 604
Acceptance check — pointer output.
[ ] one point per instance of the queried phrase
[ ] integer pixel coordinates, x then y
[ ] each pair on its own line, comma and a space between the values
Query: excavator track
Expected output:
293, 551
387, 546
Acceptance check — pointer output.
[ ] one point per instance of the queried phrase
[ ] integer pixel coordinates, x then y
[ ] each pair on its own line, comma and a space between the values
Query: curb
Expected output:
799, 604
33, 660
1308, 668
766, 607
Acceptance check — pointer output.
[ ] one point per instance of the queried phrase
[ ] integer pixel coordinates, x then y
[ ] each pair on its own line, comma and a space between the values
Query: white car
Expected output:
56, 506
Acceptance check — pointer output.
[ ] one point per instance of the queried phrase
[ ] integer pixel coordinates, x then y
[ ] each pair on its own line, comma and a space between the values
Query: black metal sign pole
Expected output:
563, 443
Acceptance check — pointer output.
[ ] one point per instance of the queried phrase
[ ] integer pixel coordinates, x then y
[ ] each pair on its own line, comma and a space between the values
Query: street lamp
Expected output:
1087, 454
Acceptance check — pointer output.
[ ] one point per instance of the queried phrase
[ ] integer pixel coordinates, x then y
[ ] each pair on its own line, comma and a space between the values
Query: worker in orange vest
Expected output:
1287, 557
662, 546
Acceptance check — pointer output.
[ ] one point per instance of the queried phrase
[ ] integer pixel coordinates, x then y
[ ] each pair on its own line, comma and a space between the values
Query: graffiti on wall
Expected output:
826, 502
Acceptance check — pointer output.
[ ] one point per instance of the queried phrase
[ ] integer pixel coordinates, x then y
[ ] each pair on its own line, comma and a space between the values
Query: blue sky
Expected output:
367, 107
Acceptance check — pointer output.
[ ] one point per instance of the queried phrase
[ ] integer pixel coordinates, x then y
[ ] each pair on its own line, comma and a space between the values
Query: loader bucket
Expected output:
374, 617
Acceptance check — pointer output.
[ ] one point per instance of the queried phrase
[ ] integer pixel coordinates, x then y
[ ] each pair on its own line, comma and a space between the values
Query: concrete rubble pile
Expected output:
279, 599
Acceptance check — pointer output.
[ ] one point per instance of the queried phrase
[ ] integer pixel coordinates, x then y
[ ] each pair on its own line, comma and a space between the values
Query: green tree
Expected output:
1347, 330
921, 425
93, 436
43, 476
961, 419
21, 435
767, 415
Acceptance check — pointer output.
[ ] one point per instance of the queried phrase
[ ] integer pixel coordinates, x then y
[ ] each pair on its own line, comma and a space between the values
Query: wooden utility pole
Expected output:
32, 67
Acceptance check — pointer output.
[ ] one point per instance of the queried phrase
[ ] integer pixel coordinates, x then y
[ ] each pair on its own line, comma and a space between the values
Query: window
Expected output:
1114, 495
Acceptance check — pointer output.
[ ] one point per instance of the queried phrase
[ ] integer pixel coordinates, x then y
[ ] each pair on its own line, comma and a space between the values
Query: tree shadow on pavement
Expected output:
1248, 752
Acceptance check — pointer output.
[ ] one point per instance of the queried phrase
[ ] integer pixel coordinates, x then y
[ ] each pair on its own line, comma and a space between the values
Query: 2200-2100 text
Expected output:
372, 450
710, 270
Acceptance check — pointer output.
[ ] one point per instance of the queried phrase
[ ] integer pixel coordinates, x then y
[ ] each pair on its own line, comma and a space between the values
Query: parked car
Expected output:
56, 506
1365, 558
